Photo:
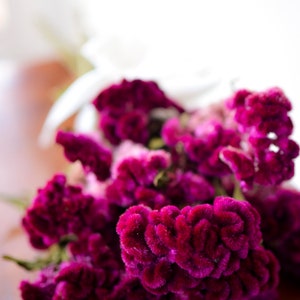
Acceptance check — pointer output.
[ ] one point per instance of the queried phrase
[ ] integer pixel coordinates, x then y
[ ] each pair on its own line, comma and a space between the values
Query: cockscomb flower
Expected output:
60, 209
172, 250
125, 109
133, 178
255, 279
280, 210
202, 137
42, 288
71, 280
94, 157
265, 126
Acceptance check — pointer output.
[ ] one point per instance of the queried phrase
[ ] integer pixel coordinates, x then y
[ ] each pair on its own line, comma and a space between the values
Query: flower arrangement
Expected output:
169, 204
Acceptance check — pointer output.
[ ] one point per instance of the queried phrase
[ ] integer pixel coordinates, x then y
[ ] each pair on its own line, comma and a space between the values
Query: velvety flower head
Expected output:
280, 210
80, 281
202, 142
94, 157
77, 279
257, 275
164, 247
133, 178
60, 209
42, 289
265, 127
262, 111
125, 109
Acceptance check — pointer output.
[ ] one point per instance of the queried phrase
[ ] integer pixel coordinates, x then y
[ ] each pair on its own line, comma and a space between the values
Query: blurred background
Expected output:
46, 44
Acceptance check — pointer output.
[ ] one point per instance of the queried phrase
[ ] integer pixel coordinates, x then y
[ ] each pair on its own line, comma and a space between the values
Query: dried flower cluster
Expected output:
173, 205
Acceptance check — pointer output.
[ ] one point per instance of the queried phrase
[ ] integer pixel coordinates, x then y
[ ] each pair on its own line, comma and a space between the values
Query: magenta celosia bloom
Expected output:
255, 279
263, 121
42, 289
94, 157
133, 179
60, 209
248, 136
280, 210
173, 250
125, 109
202, 144
79, 280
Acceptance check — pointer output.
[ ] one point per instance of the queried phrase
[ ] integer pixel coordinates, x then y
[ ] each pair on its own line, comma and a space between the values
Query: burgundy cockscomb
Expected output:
133, 179
125, 109
60, 209
265, 127
43, 288
280, 210
94, 157
202, 142
174, 250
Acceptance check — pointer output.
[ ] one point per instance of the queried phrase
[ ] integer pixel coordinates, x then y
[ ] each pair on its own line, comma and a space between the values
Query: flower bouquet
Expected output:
164, 203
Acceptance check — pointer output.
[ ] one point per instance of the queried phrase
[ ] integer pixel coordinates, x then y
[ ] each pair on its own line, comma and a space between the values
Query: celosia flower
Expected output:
202, 144
133, 178
94, 157
125, 109
60, 209
42, 289
247, 136
265, 127
280, 211
174, 250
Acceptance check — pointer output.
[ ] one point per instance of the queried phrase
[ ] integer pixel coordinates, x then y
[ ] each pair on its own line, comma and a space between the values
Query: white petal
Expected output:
86, 120
82, 91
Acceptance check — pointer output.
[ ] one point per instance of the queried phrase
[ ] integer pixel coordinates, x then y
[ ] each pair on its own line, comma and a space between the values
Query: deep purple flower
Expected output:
60, 209
265, 127
202, 142
257, 275
94, 157
280, 211
133, 178
197, 242
80, 281
42, 289
125, 109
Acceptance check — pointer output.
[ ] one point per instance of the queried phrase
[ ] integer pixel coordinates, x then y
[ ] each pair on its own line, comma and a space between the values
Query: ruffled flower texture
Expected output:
134, 177
247, 135
201, 252
60, 209
93, 156
263, 121
280, 210
92, 271
125, 110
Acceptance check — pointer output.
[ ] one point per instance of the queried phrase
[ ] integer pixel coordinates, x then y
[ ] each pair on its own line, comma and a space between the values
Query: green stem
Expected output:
57, 254
20, 202
237, 193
